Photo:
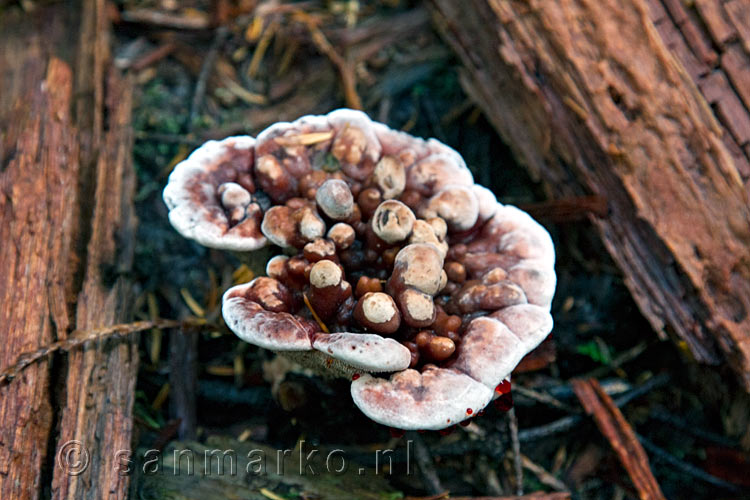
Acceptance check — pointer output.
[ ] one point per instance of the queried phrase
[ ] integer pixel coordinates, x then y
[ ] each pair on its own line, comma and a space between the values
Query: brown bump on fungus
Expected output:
335, 199
417, 307
456, 205
390, 177
342, 235
290, 227
480, 296
327, 288
197, 208
468, 283
355, 144
436, 172
320, 249
393, 221
367, 285
418, 265
424, 232
276, 267
377, 312
274, 179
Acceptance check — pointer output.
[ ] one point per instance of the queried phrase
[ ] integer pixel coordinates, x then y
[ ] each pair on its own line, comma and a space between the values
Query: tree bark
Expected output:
636, 102
67, 227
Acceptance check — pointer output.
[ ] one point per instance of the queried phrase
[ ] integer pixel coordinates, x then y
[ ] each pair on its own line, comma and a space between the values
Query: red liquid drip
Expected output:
465, 422
355, 376
445, 432
503, 387
504, 402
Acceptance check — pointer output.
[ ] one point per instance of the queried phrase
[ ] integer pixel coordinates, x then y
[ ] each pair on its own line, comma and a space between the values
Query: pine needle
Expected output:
314, 314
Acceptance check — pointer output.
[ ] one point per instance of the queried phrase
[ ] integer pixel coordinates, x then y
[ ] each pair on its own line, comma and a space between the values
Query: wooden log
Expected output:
37, 207
67, 227
604, 98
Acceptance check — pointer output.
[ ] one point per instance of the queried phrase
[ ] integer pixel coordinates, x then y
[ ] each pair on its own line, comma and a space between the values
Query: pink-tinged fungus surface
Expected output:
210, 196
398, 271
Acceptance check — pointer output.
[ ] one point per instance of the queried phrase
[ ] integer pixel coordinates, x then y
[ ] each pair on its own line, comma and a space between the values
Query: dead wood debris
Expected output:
620, 435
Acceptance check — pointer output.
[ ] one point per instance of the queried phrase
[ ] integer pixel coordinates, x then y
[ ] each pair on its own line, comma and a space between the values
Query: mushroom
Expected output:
448, 288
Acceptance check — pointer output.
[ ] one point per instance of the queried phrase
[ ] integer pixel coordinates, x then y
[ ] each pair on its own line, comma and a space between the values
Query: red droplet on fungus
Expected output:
504, 402
355, 376
503, 387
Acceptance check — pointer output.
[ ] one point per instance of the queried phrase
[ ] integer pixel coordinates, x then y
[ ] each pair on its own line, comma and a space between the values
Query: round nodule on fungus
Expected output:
393, 221
419, 265
342, 235
324, 274
335, 199
390, 177
456, 205
418, 308
377, 312
452, 287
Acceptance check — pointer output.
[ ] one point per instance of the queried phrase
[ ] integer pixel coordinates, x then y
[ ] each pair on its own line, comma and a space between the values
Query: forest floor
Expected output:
279, 61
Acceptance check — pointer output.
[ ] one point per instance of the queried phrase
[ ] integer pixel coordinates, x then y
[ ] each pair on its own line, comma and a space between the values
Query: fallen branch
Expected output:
620, 435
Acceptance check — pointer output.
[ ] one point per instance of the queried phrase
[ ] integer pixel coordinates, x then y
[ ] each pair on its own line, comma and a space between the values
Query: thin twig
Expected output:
567, 423
684, 466
545, 477
619, 360
346, 70
208, 65
542, 397
78, 338
152, 57
543, 431
426, 465
516, 447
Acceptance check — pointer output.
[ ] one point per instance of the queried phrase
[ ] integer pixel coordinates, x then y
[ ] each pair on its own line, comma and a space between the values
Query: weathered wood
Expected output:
67, 226
611, 422
595, 99
38, 186
100, 383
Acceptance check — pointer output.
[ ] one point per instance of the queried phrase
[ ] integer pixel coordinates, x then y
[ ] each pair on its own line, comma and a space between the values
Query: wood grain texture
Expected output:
100, 383
596, 100
612, 424
67, 227
37, 205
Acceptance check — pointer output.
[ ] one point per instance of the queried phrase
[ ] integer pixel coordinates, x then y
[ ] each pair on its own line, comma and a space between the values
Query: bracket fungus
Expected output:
394, 268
